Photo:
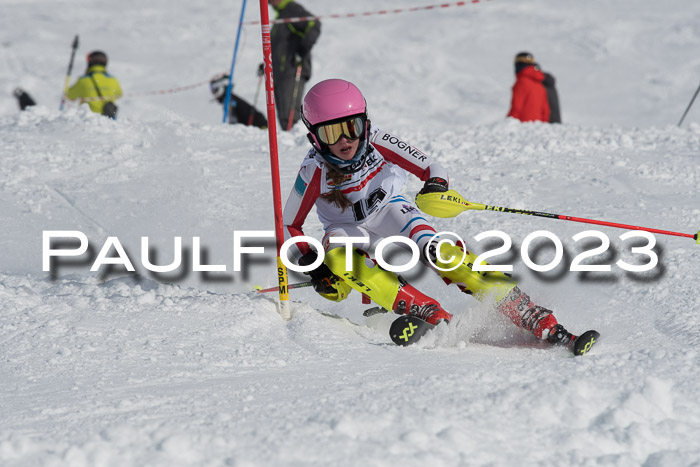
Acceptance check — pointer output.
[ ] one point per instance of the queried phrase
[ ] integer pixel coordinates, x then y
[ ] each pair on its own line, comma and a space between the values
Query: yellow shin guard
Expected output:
379, 285
479, 284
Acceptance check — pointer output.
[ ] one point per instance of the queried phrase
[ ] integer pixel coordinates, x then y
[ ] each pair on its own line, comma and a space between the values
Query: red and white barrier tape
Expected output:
294, 20
370, 13
168, 91
146, 93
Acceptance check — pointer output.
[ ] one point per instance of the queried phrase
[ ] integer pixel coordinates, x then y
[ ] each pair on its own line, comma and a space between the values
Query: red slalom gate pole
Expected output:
282, 280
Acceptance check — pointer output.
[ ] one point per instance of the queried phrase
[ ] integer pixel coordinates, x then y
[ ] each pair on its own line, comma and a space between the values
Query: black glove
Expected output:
434, 185
261, 69
321, 277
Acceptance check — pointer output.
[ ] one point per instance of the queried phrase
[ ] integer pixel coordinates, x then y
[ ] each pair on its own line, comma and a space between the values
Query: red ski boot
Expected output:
541, 322
420, 314
410, 301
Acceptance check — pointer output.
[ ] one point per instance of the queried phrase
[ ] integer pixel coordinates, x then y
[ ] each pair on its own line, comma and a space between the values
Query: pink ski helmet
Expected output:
333, 108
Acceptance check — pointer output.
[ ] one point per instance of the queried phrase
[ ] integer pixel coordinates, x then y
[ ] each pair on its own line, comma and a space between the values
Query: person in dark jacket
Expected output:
240, 111
534, 95
552, 98
291, 58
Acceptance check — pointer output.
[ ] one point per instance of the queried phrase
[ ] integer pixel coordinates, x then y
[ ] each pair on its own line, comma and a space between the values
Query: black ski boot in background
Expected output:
23, 98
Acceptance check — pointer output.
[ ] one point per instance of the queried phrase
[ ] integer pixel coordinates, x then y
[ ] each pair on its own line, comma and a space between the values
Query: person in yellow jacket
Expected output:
97, 87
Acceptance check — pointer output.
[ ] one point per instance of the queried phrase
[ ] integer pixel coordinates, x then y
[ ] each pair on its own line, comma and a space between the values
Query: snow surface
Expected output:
185, 368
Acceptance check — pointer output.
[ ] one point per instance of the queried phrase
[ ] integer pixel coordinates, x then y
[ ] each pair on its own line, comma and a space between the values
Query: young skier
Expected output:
353, 174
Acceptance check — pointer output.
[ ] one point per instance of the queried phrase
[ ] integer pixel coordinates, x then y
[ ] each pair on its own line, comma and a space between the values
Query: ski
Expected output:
584, 342
407, 330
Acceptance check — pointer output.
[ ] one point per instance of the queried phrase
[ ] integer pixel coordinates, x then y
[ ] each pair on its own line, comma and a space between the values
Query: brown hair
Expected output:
336, 196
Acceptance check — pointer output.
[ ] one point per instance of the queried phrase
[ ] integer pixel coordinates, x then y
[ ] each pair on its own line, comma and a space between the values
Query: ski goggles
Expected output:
352, 128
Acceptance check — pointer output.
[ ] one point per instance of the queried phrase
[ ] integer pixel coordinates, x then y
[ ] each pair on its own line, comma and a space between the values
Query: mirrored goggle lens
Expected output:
330, 133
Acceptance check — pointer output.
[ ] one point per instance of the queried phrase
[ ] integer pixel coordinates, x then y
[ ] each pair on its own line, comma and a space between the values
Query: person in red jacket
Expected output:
530, 101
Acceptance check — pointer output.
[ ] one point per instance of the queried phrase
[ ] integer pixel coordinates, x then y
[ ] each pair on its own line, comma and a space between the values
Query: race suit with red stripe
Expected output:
378, 209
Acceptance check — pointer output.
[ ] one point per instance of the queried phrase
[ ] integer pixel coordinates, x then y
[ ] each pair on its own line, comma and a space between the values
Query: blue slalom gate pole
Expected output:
227, 100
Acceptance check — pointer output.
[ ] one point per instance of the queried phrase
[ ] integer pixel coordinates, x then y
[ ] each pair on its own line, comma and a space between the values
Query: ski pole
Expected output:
70, 70
451, 203
255, 99
290, 120
298, 285
689, 105
365, 299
